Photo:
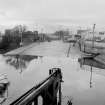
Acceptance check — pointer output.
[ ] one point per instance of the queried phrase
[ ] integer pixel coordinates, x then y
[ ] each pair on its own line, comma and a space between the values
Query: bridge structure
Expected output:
48, 91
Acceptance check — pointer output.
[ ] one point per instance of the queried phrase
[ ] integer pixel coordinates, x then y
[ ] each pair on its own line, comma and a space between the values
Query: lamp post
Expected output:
93, 35
21, 42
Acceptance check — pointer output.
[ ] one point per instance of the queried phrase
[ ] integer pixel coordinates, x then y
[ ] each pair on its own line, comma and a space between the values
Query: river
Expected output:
80, 85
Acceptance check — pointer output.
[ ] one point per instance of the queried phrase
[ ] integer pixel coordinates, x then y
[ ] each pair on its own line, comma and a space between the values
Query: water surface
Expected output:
76, 78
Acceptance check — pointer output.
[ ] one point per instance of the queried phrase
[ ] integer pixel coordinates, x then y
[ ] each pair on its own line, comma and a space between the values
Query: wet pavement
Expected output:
84, 81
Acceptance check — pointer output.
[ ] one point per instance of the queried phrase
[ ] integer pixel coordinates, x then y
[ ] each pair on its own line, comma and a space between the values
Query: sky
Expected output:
50, 13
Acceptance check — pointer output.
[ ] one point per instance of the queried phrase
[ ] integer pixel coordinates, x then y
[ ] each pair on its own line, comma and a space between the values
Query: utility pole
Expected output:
21, 39
93, 35
20, 31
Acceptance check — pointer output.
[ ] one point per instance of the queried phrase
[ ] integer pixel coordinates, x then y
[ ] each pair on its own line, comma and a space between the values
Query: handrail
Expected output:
36, 89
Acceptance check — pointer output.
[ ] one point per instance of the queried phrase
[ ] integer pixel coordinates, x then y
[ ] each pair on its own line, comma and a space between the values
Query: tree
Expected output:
12, 37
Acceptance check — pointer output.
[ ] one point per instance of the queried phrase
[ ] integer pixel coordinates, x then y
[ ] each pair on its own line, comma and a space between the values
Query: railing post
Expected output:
60, 95
36, 101
29, 103
50, 72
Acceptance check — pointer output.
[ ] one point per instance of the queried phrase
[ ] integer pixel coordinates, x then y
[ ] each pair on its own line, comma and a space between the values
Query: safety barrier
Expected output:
48, 91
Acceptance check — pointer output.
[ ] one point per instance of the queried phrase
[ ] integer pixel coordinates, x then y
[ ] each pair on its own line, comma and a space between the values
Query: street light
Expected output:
93, 35
20, 31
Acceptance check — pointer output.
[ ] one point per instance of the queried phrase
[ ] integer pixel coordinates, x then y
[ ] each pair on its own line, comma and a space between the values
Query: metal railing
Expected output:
47, 89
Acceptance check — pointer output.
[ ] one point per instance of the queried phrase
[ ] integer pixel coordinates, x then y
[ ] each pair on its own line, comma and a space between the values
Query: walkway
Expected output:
55, 48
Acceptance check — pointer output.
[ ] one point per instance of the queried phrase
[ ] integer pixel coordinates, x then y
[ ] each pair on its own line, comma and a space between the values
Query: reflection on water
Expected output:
92, 63
19, 62
77, 82
91, 78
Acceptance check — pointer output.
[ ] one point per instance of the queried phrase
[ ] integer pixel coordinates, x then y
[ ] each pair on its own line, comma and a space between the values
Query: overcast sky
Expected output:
79, 12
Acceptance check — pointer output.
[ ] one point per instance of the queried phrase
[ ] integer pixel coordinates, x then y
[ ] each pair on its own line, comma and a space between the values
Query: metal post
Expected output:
84, 46
21, 40
60, 95
20, 32
36, 101
93, 35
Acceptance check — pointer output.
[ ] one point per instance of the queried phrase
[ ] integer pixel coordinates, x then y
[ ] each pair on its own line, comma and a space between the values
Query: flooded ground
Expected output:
81, 84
